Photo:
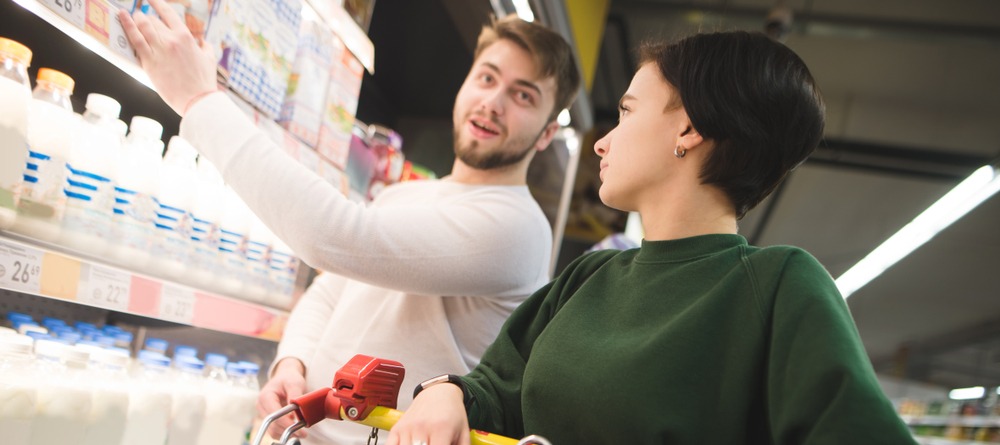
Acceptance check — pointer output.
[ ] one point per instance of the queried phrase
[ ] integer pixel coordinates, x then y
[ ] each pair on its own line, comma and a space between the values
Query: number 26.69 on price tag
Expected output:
20, 268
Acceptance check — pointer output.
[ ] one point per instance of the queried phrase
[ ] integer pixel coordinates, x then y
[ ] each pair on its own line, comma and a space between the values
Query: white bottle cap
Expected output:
15, 344
146, 127
120, 127
109, 357
103, 105
180, 152
207, 170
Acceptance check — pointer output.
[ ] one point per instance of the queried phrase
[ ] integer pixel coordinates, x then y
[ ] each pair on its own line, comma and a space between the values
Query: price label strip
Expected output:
104, 287
177, 304
74, 11
20, 268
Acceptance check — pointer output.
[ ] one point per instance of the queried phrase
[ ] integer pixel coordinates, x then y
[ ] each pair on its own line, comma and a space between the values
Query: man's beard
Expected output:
499, 157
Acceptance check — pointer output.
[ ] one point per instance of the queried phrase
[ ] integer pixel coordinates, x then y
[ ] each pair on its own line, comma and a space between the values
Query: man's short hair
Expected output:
552, 54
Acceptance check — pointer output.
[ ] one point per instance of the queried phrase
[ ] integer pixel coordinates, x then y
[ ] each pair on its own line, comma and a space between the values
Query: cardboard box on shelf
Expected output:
341, 105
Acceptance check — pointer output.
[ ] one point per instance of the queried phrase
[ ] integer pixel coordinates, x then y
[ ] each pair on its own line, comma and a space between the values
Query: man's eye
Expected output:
524, 97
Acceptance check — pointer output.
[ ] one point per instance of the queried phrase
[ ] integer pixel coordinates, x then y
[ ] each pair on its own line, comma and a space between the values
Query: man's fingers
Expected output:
168, 15
135, 36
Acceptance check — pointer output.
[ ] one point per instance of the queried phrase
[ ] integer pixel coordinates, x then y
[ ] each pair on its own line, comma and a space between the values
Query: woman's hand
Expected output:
436, 417
181, 68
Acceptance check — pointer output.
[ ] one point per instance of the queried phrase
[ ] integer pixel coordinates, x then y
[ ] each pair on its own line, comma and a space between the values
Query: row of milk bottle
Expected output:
99, 186
55, 393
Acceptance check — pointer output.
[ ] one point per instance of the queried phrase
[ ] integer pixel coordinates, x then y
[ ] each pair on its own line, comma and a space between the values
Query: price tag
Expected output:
104, 287
177, 304
75, 11
20, 268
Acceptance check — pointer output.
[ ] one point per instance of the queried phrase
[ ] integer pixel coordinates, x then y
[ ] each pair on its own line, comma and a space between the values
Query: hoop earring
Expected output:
681, 153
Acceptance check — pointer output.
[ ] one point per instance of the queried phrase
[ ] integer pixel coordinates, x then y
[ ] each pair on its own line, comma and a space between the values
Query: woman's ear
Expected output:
690, 138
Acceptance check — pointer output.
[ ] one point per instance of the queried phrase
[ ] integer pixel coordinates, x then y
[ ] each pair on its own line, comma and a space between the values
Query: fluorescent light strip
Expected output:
978, 187
973, 393
523, 9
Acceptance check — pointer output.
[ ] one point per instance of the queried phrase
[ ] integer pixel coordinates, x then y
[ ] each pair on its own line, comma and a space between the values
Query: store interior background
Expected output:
912, 89
913, 103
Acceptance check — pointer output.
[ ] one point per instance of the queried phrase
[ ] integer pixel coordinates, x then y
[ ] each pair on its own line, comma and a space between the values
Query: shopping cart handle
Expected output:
363, 391
358, 387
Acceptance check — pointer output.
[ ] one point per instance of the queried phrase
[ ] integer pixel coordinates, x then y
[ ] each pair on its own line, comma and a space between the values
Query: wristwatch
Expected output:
444, 378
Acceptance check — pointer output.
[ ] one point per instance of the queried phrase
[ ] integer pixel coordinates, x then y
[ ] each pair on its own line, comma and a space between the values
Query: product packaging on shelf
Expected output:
15, 94
91, 167
341, 105
303, 107
256, 42
51, 124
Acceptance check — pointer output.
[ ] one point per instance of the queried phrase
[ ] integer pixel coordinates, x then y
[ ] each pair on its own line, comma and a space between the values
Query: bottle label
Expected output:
172, 226
89, 203
134, 216
42, 194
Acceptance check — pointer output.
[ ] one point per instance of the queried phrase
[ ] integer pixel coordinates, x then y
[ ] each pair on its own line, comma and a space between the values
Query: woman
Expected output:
696, 336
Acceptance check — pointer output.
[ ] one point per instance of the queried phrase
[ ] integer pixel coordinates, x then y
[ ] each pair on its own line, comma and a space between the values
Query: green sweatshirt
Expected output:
703, 340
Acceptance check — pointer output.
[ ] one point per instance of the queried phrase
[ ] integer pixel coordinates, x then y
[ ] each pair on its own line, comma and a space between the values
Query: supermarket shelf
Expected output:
44, 271
92, 23
926, 440
967, 421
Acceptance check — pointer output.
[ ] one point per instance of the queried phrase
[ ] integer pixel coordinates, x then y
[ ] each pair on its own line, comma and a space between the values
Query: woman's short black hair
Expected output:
754, 98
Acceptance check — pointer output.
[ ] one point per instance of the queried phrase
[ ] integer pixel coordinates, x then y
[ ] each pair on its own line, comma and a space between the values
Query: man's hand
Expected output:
287, 382
181, 68
436, 417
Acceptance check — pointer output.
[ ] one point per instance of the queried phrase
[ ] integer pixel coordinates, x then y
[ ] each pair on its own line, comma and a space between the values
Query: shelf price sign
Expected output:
74, 11
177, 304
104, 287
20, 268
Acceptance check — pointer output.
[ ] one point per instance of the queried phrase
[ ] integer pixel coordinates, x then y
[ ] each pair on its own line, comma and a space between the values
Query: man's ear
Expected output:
548, 133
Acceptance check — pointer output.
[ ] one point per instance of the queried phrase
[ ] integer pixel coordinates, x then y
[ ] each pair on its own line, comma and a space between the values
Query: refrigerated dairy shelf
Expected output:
966, 421
47, 271
925, 440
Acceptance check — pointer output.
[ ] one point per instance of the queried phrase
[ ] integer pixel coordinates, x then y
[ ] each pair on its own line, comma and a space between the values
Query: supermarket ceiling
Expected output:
913, 105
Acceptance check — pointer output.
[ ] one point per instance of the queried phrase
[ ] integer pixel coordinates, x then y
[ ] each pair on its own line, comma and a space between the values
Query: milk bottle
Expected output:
205, 217
50, 133
18, 389
149, 402
233, 229
249, 384
172, 248
188, 410
91, 165
64, 401
106, 423
138, 181
284, 269
222, 404
15, 95
258, 257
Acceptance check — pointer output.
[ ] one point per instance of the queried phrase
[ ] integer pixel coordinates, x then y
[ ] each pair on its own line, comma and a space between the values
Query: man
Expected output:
427, 273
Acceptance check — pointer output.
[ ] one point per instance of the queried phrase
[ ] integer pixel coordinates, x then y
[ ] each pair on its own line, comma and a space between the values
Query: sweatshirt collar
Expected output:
684, 249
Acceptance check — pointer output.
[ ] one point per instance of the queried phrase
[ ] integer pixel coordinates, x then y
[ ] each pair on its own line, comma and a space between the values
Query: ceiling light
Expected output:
975, 392
523, 9
978, 187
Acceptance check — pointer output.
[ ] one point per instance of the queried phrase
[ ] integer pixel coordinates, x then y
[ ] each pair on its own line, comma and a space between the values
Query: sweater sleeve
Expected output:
470, 248
308, 319
821, 388
494, 386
